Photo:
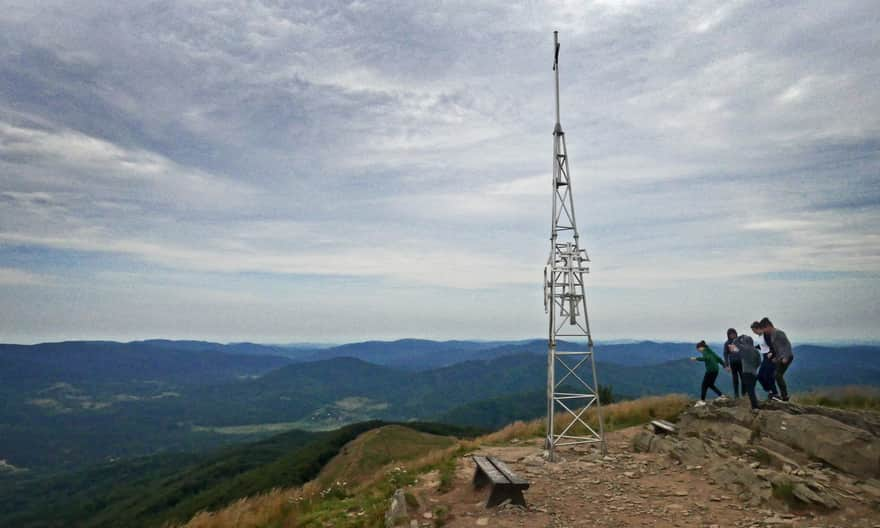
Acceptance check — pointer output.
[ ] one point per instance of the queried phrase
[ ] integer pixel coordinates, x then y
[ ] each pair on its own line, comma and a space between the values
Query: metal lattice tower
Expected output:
572, 384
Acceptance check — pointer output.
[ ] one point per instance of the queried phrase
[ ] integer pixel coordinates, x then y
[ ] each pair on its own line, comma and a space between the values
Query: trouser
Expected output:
736, 370
780, 377
709, 383
767, 377
749, 380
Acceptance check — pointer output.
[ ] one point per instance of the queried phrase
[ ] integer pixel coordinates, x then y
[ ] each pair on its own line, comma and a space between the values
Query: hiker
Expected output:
767, 370
732, 360
744, 347
711, 361
781, 354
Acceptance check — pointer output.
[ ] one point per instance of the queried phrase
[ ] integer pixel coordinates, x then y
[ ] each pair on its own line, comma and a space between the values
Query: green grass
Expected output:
369, 504
763, 457
784, 491
441, 514
378, 448
447, 475
357, 509
411, 501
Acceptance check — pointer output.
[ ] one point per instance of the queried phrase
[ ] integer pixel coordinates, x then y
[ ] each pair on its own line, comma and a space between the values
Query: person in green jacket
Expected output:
711, 361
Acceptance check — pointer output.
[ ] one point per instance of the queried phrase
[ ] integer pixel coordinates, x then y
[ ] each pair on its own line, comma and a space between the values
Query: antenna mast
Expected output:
572, 384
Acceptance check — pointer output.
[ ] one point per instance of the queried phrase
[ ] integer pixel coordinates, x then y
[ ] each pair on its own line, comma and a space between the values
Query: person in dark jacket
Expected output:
767, 370
711, 360
750, 359
781, 354
732, 360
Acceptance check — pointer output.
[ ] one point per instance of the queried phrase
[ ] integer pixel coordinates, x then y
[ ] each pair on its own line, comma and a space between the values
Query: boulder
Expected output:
813, 493
396, 510
641, 443
822, 438
743, 479
842, 439
865, 420
811, 456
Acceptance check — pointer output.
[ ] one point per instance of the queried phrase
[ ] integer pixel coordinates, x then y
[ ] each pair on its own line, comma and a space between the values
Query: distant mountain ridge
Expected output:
186, 362
83, 402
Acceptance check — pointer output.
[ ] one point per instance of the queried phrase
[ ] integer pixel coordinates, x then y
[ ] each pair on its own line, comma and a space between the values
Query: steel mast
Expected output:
572, 384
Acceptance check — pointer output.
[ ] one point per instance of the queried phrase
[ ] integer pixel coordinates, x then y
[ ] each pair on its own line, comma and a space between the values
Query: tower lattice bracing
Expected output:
572, 383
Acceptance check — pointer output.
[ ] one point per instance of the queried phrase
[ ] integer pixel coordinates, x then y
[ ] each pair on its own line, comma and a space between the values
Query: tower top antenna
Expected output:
556, 70
572, 382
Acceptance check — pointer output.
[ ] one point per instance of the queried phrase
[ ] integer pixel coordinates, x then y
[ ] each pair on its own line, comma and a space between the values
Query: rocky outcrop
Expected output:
811, 456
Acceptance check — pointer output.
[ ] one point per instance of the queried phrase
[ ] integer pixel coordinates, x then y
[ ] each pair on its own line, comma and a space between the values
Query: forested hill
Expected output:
74, 404
169, 489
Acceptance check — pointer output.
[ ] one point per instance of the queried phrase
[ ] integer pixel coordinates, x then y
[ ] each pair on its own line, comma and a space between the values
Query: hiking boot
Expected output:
700, 403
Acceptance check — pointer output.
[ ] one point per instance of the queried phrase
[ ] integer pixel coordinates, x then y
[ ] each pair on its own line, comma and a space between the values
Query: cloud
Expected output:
74, 159
18, 277
409, 146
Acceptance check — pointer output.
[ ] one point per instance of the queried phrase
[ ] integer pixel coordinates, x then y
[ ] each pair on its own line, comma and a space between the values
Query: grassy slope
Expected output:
154, 490
363, 497
360, 459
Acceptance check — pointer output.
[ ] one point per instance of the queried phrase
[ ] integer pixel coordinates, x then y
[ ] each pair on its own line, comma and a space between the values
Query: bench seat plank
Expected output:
663, 426
489, 469
511, 476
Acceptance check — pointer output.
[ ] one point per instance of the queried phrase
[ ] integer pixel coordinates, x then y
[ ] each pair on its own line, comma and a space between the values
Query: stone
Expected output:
483, 521
812, 493
396, 509
641, 442
819, 437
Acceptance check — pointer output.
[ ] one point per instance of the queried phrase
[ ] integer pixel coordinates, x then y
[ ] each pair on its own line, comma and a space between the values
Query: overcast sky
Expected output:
283, 171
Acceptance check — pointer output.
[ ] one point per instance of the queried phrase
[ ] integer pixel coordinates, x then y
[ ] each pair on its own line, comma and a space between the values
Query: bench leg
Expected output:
480, 479
502, 493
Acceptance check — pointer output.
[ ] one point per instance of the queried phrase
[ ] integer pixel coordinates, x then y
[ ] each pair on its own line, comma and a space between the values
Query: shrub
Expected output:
784, 491
447, 475
440, 516
411, 501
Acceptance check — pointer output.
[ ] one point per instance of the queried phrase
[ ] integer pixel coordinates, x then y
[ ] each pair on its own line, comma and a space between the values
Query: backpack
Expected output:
747, 351
744, 341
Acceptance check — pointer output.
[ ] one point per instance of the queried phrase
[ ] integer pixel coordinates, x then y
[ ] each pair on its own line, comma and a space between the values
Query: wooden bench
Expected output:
505, 483
663, 427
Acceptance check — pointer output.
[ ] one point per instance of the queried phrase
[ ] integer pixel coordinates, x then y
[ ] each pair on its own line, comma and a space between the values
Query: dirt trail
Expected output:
624, 488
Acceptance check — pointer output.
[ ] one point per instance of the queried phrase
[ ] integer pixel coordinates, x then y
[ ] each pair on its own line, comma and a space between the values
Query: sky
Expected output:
283, 171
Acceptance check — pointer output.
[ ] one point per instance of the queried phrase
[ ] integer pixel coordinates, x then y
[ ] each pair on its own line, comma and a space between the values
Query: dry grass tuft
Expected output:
858, 397
518, 429
616, 416
253, 512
